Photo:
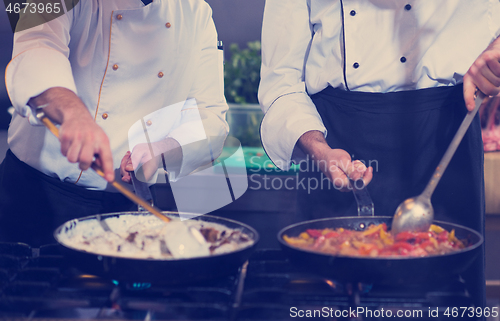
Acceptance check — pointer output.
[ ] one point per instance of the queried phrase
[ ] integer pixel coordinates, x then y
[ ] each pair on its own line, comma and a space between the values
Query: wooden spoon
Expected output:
122, 189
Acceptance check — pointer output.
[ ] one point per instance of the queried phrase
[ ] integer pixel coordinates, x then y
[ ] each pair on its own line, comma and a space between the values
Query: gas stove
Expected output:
37, 283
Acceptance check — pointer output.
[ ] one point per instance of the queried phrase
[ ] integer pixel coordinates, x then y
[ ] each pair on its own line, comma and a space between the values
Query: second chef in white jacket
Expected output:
381, 82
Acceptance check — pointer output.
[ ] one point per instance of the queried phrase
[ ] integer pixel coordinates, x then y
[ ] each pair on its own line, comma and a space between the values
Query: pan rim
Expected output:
255, 239
388, 258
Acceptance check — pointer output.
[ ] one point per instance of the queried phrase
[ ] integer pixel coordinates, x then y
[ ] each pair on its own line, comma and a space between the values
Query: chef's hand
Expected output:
483, 74
141, 157
336, 164
81, 138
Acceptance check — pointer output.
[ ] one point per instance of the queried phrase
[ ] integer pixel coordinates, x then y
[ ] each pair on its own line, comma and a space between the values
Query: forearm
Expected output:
60, 104
82, 140
313, 143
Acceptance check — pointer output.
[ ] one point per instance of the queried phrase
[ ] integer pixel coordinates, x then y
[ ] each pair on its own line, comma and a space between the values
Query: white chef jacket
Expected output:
125, 61
389, 46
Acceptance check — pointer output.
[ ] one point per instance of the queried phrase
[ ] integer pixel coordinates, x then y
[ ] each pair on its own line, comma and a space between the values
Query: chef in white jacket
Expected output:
95, 71
376, 90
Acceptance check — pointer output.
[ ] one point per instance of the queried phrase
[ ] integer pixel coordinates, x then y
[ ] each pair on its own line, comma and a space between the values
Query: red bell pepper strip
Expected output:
443, 236
420, 236
366, 249
329, 235
425, 244
314, 233
404, 236
402, 247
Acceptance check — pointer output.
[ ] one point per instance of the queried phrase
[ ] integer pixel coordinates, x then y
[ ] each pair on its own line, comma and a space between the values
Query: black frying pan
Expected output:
168, 271
384, 269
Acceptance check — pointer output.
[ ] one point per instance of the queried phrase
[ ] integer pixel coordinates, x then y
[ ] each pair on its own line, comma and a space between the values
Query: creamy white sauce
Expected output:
145, 237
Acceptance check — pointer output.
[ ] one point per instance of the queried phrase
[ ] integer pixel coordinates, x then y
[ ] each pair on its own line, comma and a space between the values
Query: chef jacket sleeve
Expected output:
40, 61
202, 128
289, 111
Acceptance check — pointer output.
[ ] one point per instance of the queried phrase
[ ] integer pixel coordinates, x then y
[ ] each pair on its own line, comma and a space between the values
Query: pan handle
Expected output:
363, 199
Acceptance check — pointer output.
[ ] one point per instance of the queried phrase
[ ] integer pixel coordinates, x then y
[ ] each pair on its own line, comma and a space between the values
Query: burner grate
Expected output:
37, 284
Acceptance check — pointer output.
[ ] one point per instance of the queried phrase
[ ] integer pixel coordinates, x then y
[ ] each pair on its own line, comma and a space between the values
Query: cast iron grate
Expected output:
38, 284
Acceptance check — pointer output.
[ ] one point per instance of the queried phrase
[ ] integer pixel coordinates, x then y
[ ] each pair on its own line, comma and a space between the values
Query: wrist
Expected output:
314, 144
60, 104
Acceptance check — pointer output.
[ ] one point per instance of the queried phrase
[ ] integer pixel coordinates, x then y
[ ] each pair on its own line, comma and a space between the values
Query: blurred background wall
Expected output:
237, 21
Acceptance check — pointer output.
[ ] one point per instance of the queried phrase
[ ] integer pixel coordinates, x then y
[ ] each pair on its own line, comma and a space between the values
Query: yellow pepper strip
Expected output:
434, 242
304, 236
372, 229
436, 229
295, 241
326, 231
452, 238
385, 237
340, 230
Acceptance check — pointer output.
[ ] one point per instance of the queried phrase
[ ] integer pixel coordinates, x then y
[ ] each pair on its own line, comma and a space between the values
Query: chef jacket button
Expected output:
119, 17
149, 123
105, 116
355, 65
408, 7
160, 75
115, 67
352, 13
168, 25
403, 59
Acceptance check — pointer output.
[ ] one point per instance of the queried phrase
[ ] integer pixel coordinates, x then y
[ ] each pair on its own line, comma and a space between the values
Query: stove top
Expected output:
37, 283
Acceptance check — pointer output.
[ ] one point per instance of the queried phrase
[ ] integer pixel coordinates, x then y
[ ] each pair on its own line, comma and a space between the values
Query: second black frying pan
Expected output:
383, 269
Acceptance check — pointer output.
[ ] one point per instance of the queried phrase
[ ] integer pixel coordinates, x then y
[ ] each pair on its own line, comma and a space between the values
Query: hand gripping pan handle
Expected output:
363, 199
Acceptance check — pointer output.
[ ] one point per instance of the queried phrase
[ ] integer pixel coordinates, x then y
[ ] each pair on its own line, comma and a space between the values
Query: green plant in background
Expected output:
242, 74
244, 124
241, 81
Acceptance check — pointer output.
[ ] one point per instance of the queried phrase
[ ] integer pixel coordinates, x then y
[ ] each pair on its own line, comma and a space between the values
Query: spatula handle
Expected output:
443, 164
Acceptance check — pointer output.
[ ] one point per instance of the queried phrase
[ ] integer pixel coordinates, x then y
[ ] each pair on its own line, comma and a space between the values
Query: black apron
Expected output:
33, 205
403, 136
